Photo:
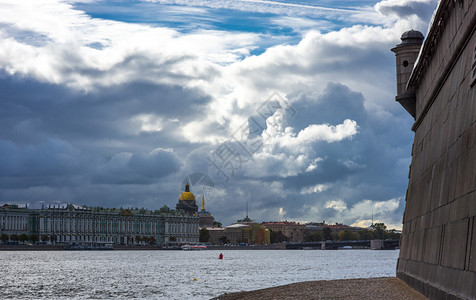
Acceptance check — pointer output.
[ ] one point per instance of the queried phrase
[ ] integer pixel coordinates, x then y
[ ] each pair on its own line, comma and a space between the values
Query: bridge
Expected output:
334, 245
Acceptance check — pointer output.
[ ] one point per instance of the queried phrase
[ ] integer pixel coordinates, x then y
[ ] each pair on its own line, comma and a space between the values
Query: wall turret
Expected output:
406, 55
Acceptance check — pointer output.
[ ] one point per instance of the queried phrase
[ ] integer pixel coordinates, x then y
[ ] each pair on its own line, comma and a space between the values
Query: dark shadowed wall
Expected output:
438, 248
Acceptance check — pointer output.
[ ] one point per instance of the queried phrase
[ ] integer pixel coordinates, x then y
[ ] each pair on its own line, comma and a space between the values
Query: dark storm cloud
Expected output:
54, 157
334, 105
137, 168
370, 166
31, 111
56, 139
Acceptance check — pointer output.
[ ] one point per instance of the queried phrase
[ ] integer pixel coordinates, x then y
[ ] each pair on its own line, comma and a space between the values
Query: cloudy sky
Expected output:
288, 105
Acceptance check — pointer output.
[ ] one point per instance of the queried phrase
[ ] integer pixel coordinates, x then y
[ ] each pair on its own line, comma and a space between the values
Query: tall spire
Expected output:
203, 200
247, 208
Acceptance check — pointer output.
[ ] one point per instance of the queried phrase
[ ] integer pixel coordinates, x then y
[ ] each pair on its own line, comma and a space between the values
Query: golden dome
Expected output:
187, 195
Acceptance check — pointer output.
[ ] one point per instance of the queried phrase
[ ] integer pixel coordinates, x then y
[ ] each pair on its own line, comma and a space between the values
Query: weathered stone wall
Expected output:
438, 248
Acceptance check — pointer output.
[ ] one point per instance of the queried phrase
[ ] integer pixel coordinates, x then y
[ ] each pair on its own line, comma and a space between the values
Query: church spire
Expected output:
247, 208
203, 201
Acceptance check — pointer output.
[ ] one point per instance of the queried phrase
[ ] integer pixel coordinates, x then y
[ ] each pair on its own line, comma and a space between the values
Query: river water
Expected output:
170, 274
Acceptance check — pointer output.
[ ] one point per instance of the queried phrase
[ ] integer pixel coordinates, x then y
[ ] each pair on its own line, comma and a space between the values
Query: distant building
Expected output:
253, 233
234, 233
294, 231
206, 218
187, 202
73, 224
244, 231
216, 233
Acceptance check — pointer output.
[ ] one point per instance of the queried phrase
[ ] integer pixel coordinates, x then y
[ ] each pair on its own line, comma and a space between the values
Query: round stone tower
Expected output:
406, 55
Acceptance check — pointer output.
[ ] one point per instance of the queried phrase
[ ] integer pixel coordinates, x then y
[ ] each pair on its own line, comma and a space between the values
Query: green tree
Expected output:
23, 237
164, 209
14, 237
34, 238
365, 234
392, 235
277, 237
4, 237
326, 232
216, 224
204, 235
140, 239
314, 237
44, 238
380, 230
172, 239
224, 240
152, 240
53, 238
346, 235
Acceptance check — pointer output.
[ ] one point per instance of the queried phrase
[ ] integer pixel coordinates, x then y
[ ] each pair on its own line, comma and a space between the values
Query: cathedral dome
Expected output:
187, 195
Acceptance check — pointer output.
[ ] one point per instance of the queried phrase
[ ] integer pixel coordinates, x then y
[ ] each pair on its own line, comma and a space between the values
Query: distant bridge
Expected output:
334, 245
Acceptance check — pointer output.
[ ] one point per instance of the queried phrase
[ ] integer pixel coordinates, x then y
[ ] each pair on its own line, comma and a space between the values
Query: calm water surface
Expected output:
170, 274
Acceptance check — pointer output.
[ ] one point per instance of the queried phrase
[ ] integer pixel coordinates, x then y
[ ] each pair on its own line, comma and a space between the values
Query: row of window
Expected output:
14, 223
103, 225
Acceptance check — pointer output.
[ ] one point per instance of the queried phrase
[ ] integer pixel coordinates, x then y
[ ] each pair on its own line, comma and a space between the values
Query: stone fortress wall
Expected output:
438, 247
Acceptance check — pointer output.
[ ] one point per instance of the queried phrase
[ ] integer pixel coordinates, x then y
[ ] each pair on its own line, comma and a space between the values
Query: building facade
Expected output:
249, 233
294, 231
72, 224
206, 218
438, 245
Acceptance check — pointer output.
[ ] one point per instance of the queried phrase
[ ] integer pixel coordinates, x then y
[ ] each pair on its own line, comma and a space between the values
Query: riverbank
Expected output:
62, 248
137, 247
390, 288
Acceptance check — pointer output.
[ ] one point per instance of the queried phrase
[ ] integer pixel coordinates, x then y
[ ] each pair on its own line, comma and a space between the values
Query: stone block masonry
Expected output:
438, 247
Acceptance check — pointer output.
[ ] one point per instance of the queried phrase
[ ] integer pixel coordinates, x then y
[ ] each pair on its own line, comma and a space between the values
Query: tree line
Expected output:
379, 232
22, 238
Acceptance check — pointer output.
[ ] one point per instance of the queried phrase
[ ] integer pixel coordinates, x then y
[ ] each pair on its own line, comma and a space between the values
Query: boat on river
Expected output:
193, 247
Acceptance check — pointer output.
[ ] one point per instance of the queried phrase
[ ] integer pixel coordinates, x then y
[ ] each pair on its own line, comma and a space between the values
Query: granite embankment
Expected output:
137, 247
390, 288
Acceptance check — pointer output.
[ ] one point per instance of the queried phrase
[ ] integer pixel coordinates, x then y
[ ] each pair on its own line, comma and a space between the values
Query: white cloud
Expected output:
286, 138
275, 7
313, 165
314, 189
338, 205
126, 51
54, 43
148, 122
358, 214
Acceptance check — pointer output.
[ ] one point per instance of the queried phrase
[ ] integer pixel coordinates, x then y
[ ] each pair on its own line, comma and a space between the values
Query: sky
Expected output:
288, 106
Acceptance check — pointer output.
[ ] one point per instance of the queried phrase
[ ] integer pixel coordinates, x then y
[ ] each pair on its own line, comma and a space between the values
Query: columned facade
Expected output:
81, 225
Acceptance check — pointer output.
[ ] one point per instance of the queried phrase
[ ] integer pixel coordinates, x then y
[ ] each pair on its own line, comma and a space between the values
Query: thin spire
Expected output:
247, 208
203, 200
